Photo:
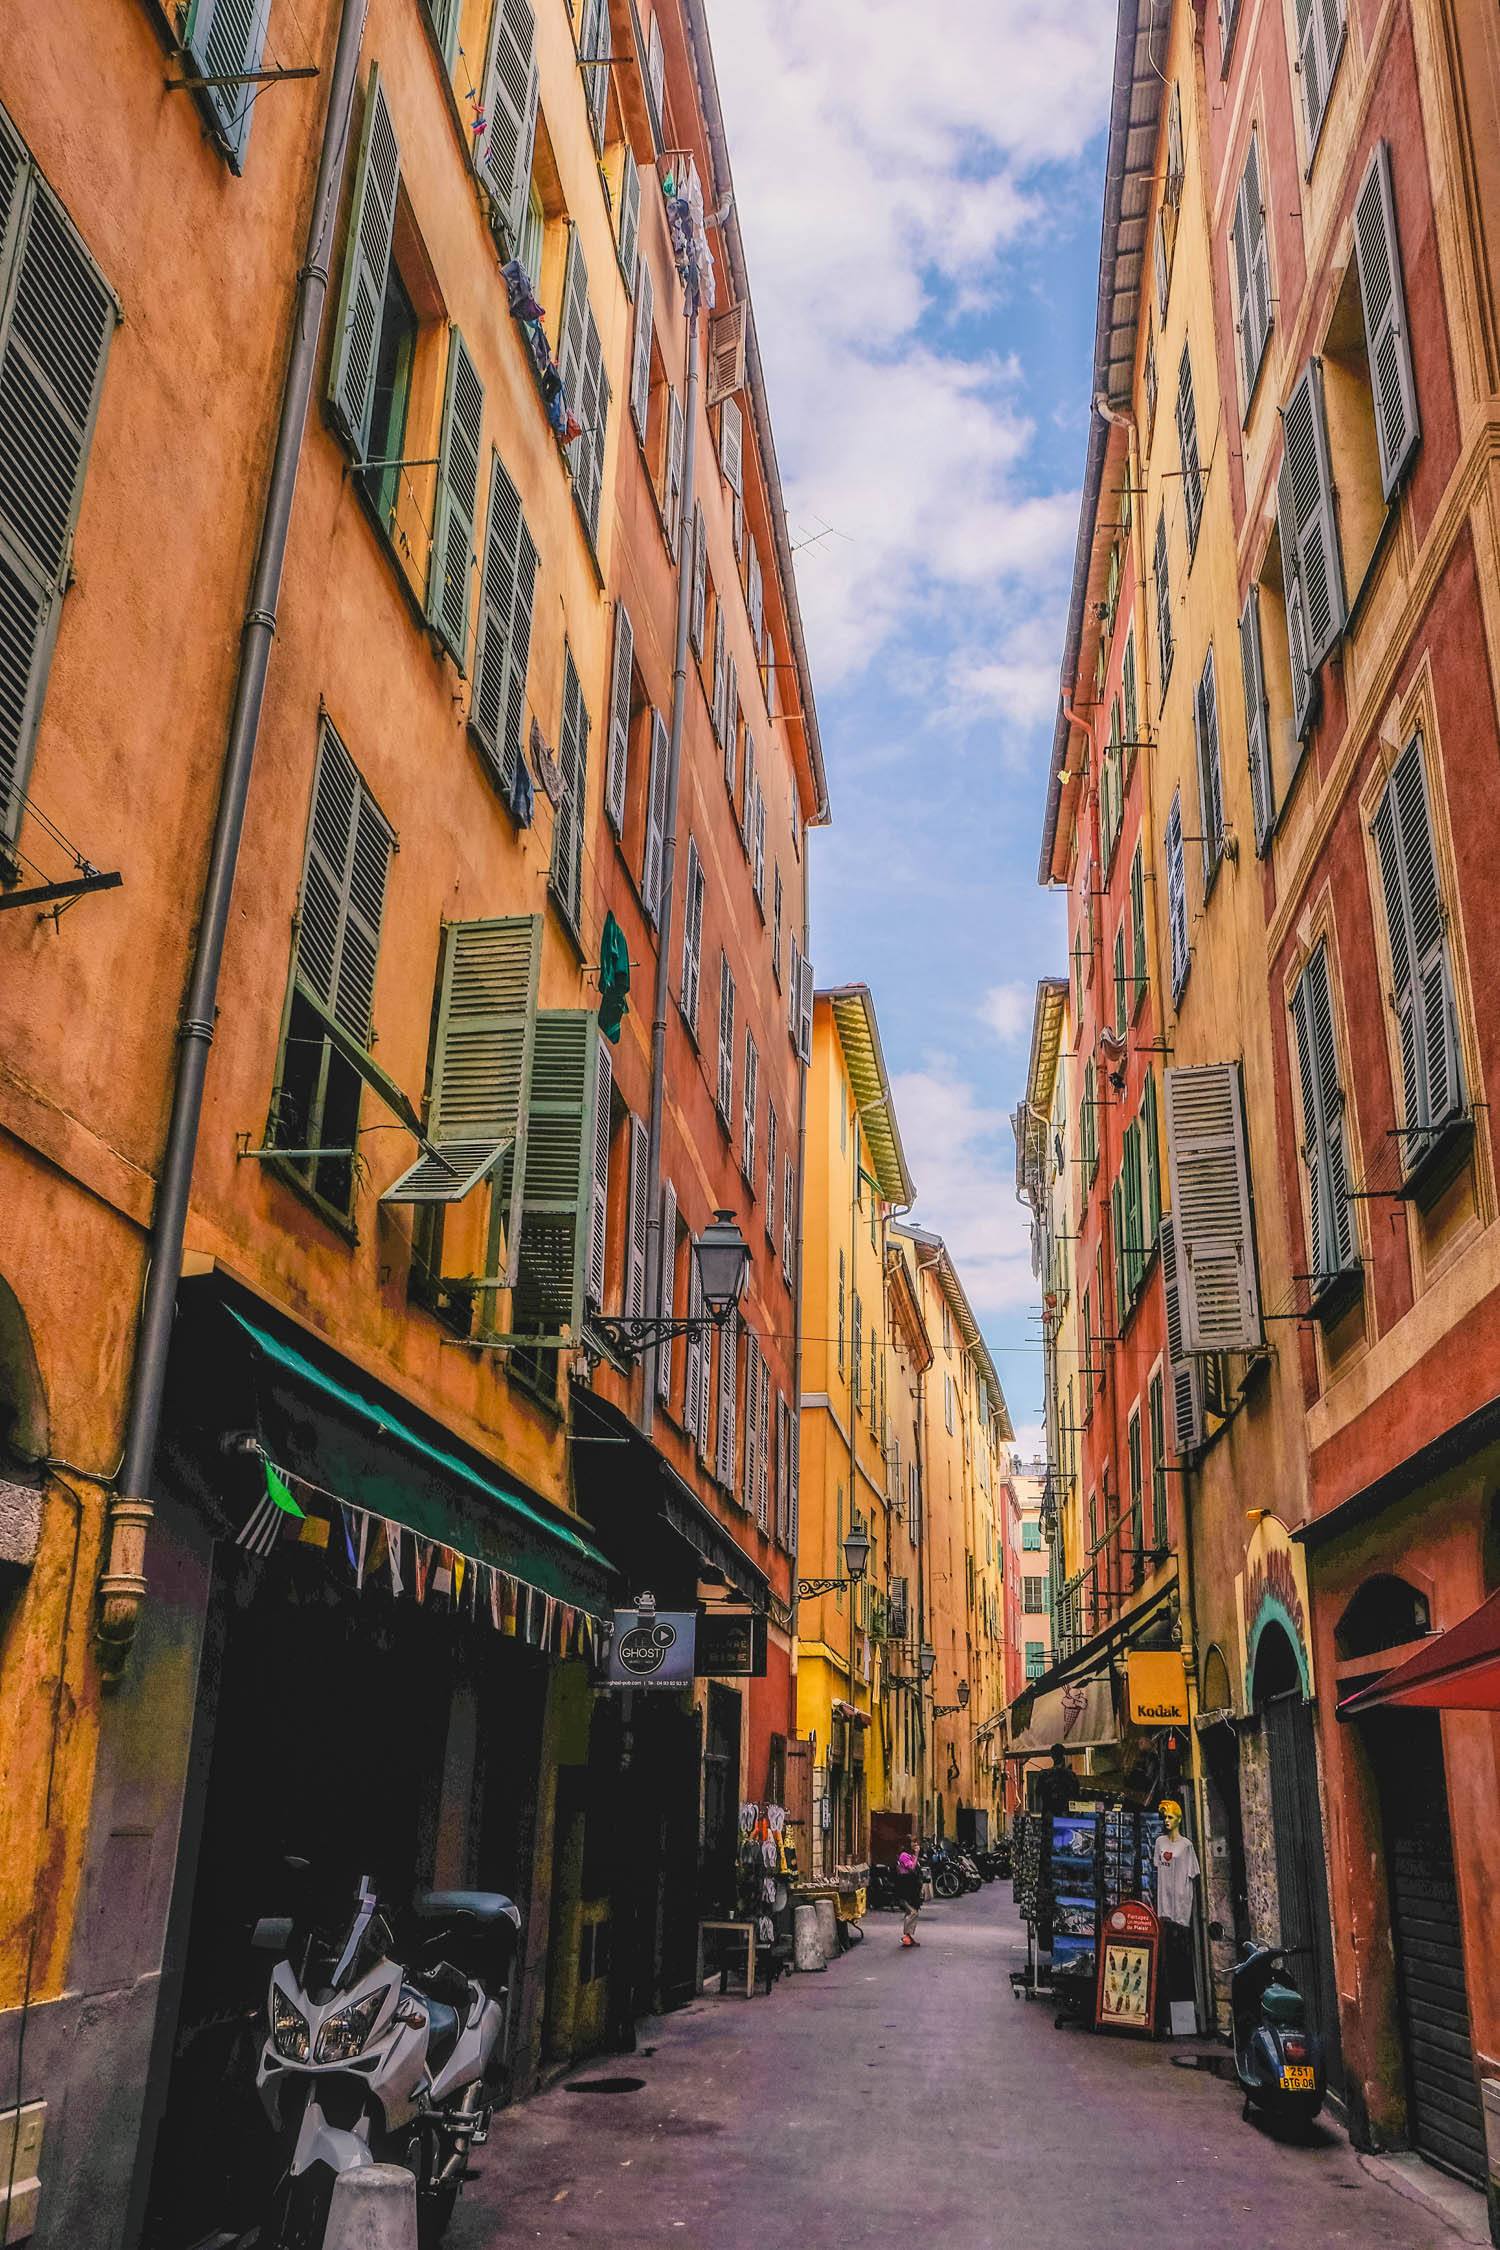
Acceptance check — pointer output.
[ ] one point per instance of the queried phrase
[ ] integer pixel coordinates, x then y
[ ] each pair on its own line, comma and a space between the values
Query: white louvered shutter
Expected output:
1386, 334
753, 1369
627, 241
1257, 720
1177, 921
503, 153
1422, 994
804, 1008
750, 1102
617, 767
698, 616
1163, 579
755, 600
694, 1405
732, 445
367, 258
645, 333
726, 1038
726, 354
1210, 777
692, 936
1331, 1245
599, 1178
635, 1222
502, 653
1184, 1377
654, 858
672, 505
763, 1453
667, 1296
459, 452
1320, 573
788, 1217
1211, 1209
1187, 446
725, 1448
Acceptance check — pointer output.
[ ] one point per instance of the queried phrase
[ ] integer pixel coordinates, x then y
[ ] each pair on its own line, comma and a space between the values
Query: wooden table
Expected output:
745, 1930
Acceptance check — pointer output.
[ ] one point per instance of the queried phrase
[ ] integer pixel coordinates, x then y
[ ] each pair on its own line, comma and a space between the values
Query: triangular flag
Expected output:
421, 1566
393, 1535
278, 1490
459, 1565
364, 1548
442, 1576
494, 1578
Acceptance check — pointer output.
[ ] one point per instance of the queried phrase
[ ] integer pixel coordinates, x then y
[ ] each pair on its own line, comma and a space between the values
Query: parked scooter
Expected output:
968, 1869
371, 2060
940, 1864
1278, 2059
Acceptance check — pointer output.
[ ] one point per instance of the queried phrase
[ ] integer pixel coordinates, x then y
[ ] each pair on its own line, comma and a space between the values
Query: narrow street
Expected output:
754, 2122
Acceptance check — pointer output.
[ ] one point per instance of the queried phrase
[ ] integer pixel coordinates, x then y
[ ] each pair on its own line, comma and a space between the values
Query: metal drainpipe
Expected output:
662, 994
122, 1584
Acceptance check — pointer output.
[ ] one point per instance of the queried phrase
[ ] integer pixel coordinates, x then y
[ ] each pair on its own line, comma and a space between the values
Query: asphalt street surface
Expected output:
906, 2098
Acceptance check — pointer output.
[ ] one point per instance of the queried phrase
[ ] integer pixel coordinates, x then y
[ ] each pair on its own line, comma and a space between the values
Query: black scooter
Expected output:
1278, 2058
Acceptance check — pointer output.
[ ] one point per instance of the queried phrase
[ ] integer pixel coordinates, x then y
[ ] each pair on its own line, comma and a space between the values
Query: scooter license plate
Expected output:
1297, 2078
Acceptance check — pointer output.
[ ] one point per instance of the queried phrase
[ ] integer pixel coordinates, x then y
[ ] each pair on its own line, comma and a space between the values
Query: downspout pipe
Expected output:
122, 1584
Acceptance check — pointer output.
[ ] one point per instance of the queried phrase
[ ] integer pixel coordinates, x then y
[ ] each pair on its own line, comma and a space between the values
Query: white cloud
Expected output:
962, 1159
1007, 1009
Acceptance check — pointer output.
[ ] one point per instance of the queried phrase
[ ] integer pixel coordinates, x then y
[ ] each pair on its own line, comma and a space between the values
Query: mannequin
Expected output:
1177, 1877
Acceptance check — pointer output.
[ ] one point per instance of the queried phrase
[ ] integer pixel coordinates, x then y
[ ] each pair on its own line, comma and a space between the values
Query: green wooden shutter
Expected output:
226, 39
1320, 572
343, 891
1138, 926
627, 240
1153, 1162
1122, 1005
1211, 1209
1387, 337
567, 833
503, 157
557, 1176
367, 258
443, 15
616, 771
497, 708
1257, 720
57, 315
452, 556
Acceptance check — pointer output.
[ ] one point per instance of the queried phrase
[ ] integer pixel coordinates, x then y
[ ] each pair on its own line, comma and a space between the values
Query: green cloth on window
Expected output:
614, 979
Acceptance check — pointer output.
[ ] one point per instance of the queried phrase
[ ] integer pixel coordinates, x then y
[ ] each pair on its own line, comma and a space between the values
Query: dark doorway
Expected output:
1297, 1817
1444, 2117
721, 1800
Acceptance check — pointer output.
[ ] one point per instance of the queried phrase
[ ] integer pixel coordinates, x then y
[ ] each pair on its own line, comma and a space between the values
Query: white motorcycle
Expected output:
371, 2060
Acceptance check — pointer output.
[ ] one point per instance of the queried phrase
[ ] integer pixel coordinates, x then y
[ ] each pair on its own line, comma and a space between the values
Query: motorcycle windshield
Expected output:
337, 1938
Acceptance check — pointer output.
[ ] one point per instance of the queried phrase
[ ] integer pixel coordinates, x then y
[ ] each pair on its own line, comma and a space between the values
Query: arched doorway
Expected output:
1278, 1693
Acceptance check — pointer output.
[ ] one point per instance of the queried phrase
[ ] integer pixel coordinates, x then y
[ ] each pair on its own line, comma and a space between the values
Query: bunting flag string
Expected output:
374, 1547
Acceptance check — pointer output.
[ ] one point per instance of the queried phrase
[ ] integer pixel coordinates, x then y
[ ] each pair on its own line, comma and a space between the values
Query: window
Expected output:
1031, 1538
1320, 42
1383, 304
1213, 1238
698, 612
643, 348
1155, 1407
1122, 998
1088, 1123
758, 849
1210, 778
594, 42
777, 904
1139, 975
732, 445
1177, 922
225, 40
1034, 1593
1176, 168
747, 796
1187, 448
751, 1098
1150, 1165
561, 1261
1162, 575
497, 709
329, 1029
671, 494
726, 1037
1137, 1494
503, 153
1250, 248
1332, 1248
666, 1304
692, 937
724, 1453
653, 853
1161, 261
51, 370
1257, 720
567, 831
771, 1173
1130, 699
621, 698
948, 1403
1148, 379
755, 599
580, 363
1431, 1091
1036, 1659
788, 1218
1312, 568
857, 1358
627, 236
874, 1379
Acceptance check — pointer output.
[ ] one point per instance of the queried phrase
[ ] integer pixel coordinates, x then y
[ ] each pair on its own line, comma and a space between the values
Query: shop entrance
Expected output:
721, 1800
1297, 1818
1444, 2118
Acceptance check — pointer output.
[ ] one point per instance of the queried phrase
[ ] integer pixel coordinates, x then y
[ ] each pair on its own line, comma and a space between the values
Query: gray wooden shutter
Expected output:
1184, 1377
617, 766
502, 653
343, 891
727, 342
749, 1104
1187, 444
692, 937
1163, 605
804, 1008
705, 1376
788, 1217
443, 15
58, 317
1310, 68
452, 556
699, 612
503, 156
1432, 1088
569, 1070
1386, 335
635, 1222
1160, 264
645, 332
226, 39
656, 820
758, 851
747, 791
1177, 921
771, 1135
1210, 778
672, 509
593, 47
1211, 1209
656, 78
717, 704
597, 395
1259, 245
1257, 720
732, 445
726, 1038
763, 1452
724, 1455
572, 329
793, 984
598, 1196
1305, 688
666, 1303
567, 832
755, 600
753, 1369
367, 258
731, 724
1331, 1229
1320, 573
693, 1401
627, 241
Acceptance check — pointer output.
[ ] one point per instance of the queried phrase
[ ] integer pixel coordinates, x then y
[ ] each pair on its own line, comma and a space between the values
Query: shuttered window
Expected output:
226, 40
857, 1357
593, 52
692, 937
726, 1448
726, 1038
788, 1218
635, 1221
1257, 721
1162, 574
57, 319
367, 260
1121, 996
754, 1369
1148, 381
804, 985
567, 831
755, 599
656, 81
627, 239
653, 861
1432, 1090
1210, 1174
1130, 700
750, 1102
758, 850
1161, 262
1320, 42
645, 337
747, 795
1309, 531
1155, 1407
329, 1024
793, 979
1088, 1123
581, 365
1139, 973
596, 1210
1331, 1239
617, 767
451, 562
1387, 337
507, 587
1183, 1373
667, 1295
732, 445
698, 1346
1250, 248
560, 1264
771, 1175
503, 152
1151, 1164
1187, 449
1177, 921
1134, 1470
1210, 775
716, 705
672, 497
698, 614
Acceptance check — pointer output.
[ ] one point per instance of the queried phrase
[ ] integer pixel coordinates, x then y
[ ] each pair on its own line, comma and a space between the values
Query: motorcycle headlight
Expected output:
288, 2027
346, 2030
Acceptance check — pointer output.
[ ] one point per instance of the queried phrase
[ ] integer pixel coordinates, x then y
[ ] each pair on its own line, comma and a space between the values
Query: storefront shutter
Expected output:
1320, 574
367, 258
497, 709
617, 766
503, 156
1386, 334
227, 39
1211, 1209
1183, 1374
452, 557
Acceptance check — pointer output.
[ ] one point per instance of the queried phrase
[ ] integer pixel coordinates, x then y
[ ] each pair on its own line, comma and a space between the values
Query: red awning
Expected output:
1457, 1671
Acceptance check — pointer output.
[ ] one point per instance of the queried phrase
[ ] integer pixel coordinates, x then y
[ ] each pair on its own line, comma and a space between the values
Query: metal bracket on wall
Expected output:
240, 78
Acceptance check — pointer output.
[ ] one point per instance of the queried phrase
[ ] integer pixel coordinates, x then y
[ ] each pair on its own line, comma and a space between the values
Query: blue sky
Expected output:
919, 196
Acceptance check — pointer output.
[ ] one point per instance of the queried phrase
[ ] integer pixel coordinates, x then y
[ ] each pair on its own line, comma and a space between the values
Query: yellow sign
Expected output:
1156, 1687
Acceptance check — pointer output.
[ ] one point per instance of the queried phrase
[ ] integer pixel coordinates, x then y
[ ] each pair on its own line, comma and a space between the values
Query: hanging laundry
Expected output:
544, 760
614, 979
519, 792
523, 304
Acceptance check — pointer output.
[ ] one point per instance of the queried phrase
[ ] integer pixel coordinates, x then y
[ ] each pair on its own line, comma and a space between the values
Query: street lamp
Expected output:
946, 1710
723, 1257
927, 1660
856, 1562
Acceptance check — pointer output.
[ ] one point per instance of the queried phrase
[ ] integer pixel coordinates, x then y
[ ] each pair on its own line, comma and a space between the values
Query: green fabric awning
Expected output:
367, 1450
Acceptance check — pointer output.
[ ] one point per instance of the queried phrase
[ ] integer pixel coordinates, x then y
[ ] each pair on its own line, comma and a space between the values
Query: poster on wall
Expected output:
1129, 1947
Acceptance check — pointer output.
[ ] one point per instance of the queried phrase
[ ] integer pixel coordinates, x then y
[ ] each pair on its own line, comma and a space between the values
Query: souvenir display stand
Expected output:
1071, 1870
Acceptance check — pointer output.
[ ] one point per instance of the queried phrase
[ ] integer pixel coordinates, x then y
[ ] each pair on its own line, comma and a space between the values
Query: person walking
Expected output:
909, 1892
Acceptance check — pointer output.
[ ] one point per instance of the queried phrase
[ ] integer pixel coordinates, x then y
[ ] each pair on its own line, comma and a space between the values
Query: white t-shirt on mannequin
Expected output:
1176, 1871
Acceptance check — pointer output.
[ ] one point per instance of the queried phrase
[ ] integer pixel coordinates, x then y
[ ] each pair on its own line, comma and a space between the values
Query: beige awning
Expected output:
1081, 1716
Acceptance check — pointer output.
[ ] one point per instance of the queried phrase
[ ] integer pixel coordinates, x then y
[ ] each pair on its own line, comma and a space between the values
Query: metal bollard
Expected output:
374, 2208
807, 1942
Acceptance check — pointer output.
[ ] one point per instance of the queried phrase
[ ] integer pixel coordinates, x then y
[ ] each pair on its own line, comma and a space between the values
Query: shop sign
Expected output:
651, 1652
731, 1644
1156, 1687
1272, 1591
1125, 1997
